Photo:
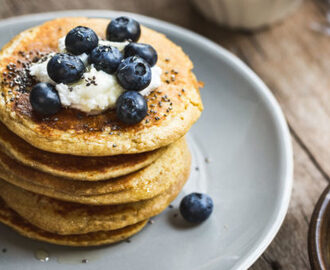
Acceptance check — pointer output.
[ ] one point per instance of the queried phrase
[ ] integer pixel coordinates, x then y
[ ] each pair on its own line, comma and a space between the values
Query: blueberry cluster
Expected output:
132, 68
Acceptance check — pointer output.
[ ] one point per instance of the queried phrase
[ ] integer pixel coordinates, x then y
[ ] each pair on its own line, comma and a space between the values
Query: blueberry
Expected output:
145, 51
44, 99
122, 29
196, 207
65, 68
106, 58
81, 40
134, 73
131, 107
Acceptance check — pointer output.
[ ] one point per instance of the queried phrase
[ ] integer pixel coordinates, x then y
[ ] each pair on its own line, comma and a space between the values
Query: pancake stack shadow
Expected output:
86, 201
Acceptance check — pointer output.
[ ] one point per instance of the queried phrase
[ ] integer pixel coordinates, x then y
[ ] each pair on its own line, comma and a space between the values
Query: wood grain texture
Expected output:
294, 62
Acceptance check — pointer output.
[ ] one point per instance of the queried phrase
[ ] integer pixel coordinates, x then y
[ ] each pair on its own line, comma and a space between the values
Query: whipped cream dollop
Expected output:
97, 90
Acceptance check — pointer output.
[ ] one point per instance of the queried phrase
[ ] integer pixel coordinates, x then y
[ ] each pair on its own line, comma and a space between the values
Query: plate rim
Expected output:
239, 66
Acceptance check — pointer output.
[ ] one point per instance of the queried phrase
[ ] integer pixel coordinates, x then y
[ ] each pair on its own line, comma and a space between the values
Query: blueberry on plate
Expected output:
65, 68
44, 99
105, 58
134, 73
196, 207
122, 29
145, 51
131, 107
80, 40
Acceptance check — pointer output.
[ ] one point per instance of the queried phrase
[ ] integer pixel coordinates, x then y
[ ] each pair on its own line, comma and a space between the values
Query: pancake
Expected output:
141, 185
13, 220
71, 218
177, 103
74, 167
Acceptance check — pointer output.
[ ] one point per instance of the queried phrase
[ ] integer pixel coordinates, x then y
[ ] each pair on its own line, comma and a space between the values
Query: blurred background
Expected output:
287, 43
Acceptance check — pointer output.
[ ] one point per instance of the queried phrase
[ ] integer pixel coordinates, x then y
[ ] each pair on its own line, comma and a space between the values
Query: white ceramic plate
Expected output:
243, 134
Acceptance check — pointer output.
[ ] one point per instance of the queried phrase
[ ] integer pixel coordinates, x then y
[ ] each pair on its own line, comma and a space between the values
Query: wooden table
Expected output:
294, 61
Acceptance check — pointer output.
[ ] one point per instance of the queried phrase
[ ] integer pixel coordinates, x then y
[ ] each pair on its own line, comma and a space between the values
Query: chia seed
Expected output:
165, 98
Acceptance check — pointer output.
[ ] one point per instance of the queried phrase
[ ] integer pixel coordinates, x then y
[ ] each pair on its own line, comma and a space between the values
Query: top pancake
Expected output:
176, 103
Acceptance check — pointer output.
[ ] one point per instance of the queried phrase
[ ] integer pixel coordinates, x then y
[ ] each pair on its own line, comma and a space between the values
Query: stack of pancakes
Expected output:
81, 180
